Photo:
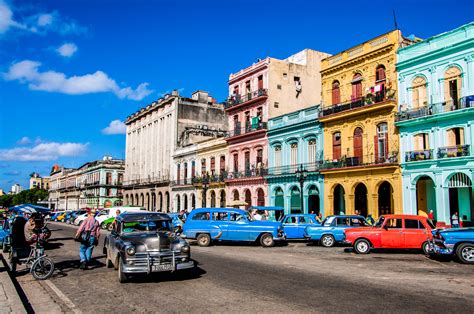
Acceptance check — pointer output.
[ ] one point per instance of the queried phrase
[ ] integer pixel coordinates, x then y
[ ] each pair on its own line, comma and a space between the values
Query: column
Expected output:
350, 206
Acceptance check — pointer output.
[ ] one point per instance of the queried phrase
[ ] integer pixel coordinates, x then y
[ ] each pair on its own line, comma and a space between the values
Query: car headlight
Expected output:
130, 250
185, 249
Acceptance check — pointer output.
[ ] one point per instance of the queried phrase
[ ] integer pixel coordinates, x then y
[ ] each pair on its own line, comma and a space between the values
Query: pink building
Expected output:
269, 88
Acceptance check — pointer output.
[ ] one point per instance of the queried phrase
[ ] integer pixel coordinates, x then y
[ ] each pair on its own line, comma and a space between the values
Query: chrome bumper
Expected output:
144, 262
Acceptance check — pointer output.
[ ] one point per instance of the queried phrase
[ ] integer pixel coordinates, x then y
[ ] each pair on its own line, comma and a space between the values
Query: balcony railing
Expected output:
291, 169
247, 173
183, 181
416, 155
346, 162
238, 99
453, 151
247, 129
354, 104
432, 109
149, 180
211, 178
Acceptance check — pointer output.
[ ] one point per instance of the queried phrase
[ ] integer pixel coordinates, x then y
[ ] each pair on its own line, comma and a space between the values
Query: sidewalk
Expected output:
10, 301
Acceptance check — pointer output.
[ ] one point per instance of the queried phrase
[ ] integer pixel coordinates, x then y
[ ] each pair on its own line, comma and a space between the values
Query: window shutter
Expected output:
386, 146
376, 149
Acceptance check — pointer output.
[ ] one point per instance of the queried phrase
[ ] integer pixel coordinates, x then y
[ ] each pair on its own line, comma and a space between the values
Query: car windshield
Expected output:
379, 222
327, 221
146, 226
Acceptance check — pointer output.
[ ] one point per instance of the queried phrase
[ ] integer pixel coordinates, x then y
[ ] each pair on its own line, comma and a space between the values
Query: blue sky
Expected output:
68, 69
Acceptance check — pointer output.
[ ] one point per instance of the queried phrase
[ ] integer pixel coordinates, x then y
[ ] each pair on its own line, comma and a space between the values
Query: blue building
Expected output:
436, 124
294, 154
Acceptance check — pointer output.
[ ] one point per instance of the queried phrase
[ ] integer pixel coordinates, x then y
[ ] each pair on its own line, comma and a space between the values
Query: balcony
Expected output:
212, 178
147, 181
416, 155
356, 103
247, 173
184, 181
433, 109
348, 162
236, 100
453, 151
291, 169
237, 131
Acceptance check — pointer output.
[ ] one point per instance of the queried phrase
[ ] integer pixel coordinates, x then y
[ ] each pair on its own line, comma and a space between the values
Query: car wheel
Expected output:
328, 240
426, 247
266, 240
203, 239
108, 261
122, 277
103, 226
362, 246
465, 253
110, 227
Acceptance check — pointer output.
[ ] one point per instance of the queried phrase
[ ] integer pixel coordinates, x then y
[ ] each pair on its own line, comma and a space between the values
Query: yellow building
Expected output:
361, 170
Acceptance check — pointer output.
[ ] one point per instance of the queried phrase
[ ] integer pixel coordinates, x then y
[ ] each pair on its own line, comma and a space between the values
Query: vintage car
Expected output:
456, 241
4, 231
295, 224
392, 232
331, 230
55, 215
142, 243
230, 224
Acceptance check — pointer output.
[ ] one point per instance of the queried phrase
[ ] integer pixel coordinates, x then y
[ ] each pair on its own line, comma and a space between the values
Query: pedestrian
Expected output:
455, 220
431, 215
88, 234
357, 212
320, 218
256, 215
370, 220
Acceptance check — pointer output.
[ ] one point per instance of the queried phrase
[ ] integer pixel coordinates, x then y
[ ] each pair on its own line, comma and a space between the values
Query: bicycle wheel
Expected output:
42, 268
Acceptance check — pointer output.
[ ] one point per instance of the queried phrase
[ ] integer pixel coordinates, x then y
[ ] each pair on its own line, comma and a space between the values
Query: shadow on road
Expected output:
64, 267
60, 239
182, 275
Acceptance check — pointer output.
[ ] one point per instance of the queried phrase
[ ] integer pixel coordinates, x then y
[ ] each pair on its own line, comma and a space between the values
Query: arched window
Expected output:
419, 98
312, 151
380, 83
381, 142
452, 87
277, 149
336, 146
294, 153
336, 93
260, 197
357, 87
380, 73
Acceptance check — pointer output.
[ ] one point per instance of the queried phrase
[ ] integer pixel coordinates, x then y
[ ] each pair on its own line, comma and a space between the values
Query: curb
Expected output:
10, 301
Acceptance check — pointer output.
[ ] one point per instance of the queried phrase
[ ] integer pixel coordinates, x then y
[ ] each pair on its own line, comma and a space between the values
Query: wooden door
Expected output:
358, 151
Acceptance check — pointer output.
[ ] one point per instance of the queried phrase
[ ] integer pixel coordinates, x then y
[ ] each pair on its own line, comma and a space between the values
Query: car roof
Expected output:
298, 215
403, 216
346, 216
130, 217
218, 209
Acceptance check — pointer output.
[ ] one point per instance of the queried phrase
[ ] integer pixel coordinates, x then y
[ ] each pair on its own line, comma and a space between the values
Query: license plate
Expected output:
162, 267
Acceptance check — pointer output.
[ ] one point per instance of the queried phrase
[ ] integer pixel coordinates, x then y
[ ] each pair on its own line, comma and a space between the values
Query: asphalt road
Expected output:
247, 278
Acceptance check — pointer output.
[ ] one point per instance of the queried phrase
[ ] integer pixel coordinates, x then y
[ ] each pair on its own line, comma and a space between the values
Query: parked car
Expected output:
295, 224
456, 241
55, 215
111, 212
392, 232
141, 243
331, 230
4, 231
230, 224
62, 217
74, 215
80, 218
107, 224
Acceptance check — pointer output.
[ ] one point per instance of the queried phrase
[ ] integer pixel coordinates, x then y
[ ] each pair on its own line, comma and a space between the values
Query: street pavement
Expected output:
297, 277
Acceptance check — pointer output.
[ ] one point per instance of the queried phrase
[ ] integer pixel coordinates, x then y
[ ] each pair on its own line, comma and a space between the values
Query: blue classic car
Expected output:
4, 231
331, 230
230, 224
295, 224
456, 241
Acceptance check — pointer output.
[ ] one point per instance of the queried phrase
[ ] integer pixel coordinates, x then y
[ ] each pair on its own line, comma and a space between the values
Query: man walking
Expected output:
88, 234
455, 220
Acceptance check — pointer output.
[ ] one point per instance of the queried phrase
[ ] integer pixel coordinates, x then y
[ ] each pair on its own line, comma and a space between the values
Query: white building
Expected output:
16, 188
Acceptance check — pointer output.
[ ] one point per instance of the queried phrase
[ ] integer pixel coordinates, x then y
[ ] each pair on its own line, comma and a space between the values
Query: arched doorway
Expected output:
385, 194
360, 199
236, 195
425, 197
339, 201
248, 199
137, 201
142, 200
222, 203
147, 201
313, 200
260, 197
193, 201
279, 202
126, 200
167, 197
213, 199
153, 201
178, 203
358, 151
185, 202
460, 197
295, 200
160, 201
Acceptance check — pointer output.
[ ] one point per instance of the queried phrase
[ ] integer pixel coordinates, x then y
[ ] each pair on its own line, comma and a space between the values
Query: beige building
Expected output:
39, 182
155, 133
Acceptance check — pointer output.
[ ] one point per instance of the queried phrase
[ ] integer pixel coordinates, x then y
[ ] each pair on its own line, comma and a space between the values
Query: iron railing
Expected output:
238, 99
248, 173
416, 155
345, 161
292, 169
354, 104
436, 108
453, 151
247, 129
149, 180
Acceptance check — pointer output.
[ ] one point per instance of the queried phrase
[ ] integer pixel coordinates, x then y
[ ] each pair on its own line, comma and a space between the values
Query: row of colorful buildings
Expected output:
382, 127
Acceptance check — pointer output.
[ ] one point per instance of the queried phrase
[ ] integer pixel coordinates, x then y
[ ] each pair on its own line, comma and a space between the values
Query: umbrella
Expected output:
30, 208
237, 203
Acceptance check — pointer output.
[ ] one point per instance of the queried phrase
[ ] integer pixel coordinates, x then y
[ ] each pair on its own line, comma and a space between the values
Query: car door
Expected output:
290, 225
237, 228
220, 224
304, 221
392, 233
341, 224
414, 233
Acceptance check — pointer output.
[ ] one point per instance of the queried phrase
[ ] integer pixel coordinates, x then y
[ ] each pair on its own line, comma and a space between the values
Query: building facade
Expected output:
39, 182
16, 188
183, 191
436, 124
295, 153
361, 170
269, 88
154, 133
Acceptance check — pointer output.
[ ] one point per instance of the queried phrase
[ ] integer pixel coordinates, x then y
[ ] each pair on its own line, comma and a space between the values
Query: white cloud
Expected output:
24, 141
43, 152
115, 127
6, 18
45, 19
27, 71
67, 50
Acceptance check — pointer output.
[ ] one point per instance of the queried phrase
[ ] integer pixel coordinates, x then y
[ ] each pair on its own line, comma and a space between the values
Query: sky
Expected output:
72, 71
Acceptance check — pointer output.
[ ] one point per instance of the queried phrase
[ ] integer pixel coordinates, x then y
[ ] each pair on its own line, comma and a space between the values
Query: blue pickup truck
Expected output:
230, 224
455, 241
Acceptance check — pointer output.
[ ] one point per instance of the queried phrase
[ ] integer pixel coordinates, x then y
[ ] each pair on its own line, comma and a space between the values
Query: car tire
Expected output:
203, 240
108, 261
465, 253
122, 277
327, 240
103, 226
362, 246
266, 240
426, 247
110, 227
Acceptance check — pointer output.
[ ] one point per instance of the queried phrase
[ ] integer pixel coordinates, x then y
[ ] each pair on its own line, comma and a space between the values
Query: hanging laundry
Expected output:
378, 88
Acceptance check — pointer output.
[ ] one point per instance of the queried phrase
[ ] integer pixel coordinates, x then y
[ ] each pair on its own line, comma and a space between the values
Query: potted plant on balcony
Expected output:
369, 99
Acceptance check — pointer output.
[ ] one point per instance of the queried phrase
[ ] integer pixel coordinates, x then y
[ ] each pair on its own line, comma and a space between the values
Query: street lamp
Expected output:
205, 186
301, 175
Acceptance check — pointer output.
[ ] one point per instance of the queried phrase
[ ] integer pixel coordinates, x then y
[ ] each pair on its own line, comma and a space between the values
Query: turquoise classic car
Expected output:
455, 241
331, 230
230, 224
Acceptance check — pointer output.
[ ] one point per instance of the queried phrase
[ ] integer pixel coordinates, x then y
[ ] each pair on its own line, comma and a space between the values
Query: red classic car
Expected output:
392, 232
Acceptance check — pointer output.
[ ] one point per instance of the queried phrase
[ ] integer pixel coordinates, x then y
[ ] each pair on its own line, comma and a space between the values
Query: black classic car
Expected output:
142, 243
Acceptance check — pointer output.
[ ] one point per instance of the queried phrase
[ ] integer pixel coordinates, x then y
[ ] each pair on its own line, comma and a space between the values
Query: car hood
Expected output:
454, 230
361, 229
151, 241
